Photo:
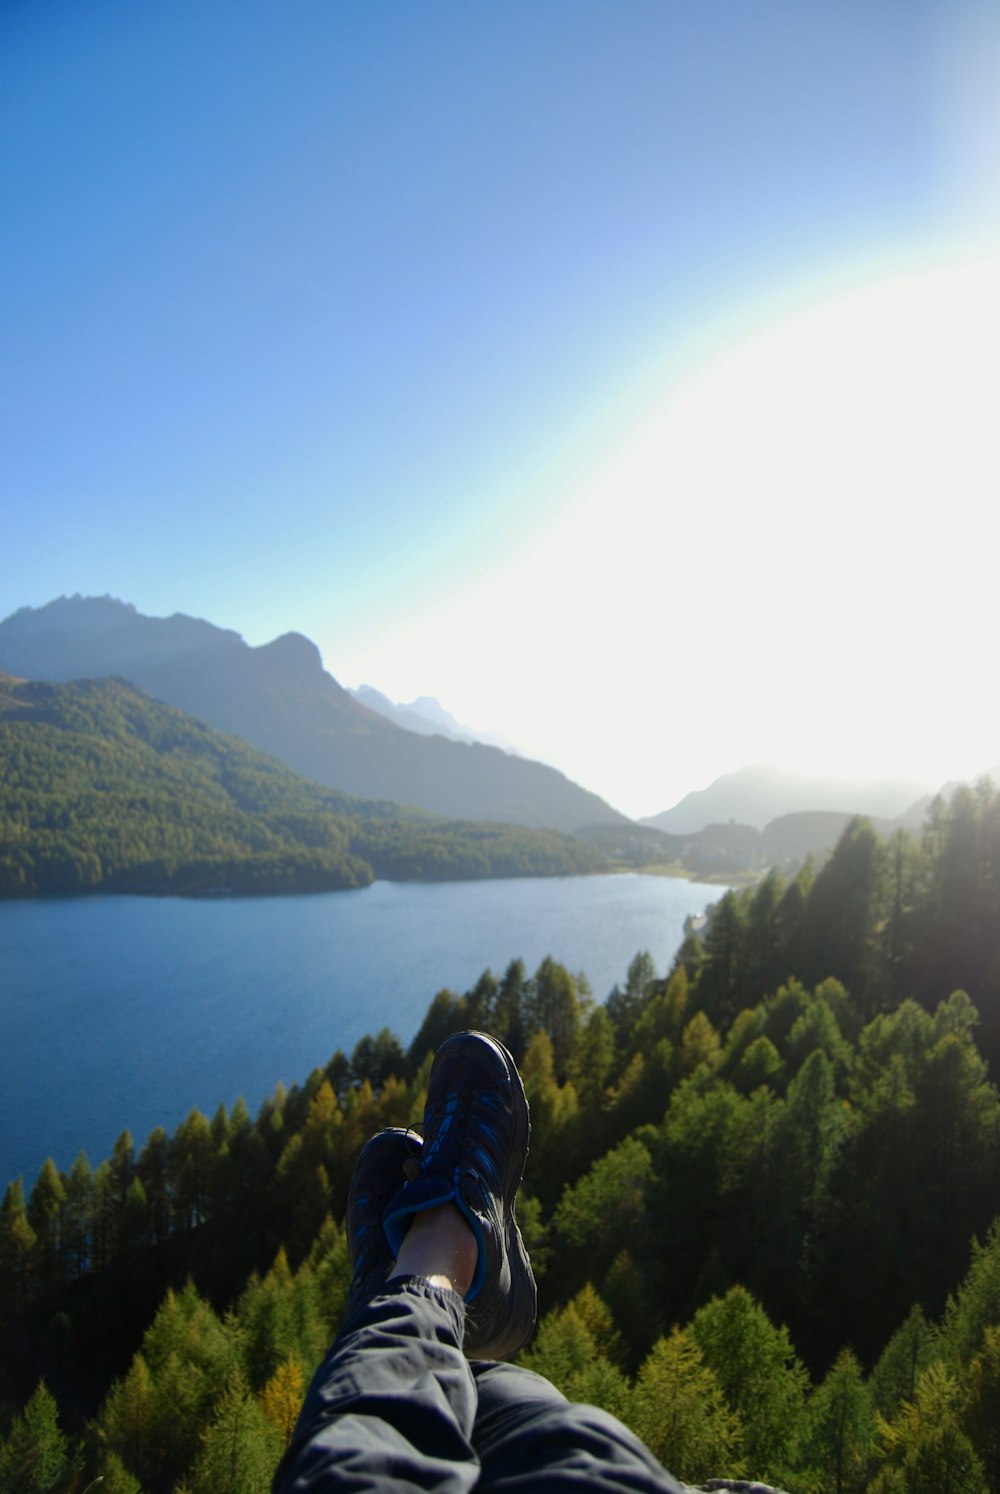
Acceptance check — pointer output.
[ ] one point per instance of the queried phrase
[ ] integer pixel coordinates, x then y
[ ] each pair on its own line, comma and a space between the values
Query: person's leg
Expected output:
529, 1437
393, 1404
526, 1434
396, 1404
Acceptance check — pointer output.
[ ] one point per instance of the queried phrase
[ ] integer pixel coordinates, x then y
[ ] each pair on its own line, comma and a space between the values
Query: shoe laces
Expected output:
464, 1120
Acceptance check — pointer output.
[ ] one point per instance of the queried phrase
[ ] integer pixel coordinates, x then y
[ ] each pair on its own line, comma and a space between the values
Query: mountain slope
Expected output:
280, 699
756, 795
106, 789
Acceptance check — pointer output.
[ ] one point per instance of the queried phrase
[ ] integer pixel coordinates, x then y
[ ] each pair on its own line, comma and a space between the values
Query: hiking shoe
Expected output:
383, 1165
475, 1144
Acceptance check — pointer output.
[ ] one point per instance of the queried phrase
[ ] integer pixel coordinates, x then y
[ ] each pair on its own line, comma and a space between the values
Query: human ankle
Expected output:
439, 1246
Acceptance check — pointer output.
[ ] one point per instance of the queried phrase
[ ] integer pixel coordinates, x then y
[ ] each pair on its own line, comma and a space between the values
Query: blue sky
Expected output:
346, 317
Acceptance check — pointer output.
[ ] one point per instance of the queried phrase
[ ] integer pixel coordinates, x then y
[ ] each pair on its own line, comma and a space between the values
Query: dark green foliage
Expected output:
743, 1175
104, 789
884, 919
35, 1457
839, 1439
903, 1360
760, 1378
680, 1411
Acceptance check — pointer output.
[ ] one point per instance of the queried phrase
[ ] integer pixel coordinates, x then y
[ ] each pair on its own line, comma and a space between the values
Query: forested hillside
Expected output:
106, 790
280, 699
762, 1200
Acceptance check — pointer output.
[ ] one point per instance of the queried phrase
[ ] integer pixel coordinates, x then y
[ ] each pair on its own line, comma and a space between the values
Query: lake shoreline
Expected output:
137, 1009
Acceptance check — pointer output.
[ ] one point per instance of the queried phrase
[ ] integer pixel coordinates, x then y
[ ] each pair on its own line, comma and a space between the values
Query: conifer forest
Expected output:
762, 1202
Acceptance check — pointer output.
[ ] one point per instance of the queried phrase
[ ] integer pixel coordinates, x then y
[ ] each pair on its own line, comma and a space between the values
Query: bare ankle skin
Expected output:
439, 1246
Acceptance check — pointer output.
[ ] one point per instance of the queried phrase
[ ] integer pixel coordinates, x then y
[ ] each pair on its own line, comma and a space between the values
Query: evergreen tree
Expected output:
595, 1055
553, 1006
153, 1171
843, 910
78, 1216
926, 1443
760, 1377
720, 990
45, 1209
509, 1010
605, 1210
678, 1409
981, 1417
575, 1348
115, 1477
129, 1423
699, 1045
18, 1247
240, 1448
763, 953
282, 1397
976, 1305
840, 1438
35, 1457
905, 1357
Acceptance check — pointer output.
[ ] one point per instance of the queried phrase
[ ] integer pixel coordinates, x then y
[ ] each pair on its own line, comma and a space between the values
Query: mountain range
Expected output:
105, 789
280, 699
758, 794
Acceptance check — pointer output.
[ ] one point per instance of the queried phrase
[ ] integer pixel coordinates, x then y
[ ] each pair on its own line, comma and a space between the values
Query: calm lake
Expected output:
123, 1012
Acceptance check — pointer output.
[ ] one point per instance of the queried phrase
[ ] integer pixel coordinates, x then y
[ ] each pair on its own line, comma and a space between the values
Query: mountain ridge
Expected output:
108, 790
758, 793
279, 698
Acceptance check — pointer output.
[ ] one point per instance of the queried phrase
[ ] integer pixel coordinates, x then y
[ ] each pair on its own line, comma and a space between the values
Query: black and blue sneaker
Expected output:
476, 1132
384, 1163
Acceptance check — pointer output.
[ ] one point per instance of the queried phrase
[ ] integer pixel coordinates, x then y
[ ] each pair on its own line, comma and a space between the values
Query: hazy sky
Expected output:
625, 374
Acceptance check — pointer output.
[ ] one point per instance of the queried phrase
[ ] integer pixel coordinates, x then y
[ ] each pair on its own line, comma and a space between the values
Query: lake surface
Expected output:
123, 1012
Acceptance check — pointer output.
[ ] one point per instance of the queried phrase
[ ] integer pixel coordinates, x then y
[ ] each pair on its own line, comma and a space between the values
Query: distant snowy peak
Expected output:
428, 717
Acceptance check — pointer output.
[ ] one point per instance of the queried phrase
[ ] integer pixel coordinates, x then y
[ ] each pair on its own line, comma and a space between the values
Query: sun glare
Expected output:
794, 559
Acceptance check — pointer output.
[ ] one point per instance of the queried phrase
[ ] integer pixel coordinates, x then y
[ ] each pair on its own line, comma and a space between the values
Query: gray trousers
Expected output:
397, 1406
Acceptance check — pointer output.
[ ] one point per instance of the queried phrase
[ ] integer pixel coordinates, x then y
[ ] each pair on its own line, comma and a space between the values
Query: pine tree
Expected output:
18, 1247
907, 1354
128, 1421
282, 1396
840, 1440
981, 1417
115, 1477
678, 1409
760, 1376
240, 1448
45, 1209
78, 1216
35, 1457
926, 1442
976, 1305
575, 1348
606, 1210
